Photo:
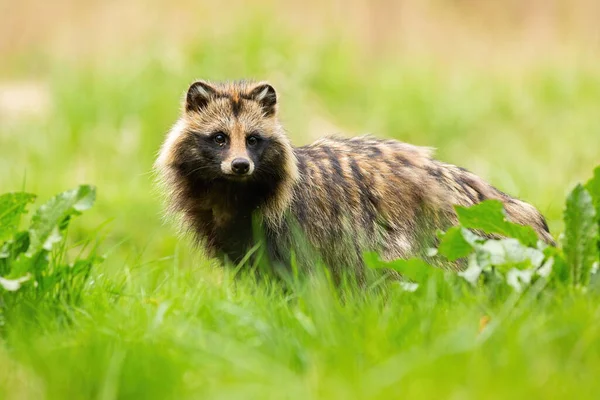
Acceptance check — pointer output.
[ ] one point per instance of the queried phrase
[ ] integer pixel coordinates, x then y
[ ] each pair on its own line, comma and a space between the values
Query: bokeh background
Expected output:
509, 89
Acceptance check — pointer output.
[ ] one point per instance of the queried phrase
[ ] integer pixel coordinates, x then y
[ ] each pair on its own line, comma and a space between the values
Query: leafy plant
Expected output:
593, 187
489, 216
516, 256
12, 206
33, 262
581, 236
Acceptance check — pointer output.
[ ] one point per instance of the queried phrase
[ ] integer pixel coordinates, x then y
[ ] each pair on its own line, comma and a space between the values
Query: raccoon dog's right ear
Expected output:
198, 96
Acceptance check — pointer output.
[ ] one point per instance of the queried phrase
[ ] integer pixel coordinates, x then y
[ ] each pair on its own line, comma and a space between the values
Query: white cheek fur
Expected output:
165, 153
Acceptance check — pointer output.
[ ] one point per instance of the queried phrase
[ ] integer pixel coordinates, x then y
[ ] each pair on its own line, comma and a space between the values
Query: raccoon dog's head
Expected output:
229, 136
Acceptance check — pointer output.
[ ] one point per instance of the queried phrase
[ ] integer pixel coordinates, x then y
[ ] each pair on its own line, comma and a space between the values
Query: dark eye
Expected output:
252, 141
220, 139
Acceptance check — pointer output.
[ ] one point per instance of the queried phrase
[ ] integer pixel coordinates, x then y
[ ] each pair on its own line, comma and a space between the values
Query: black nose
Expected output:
240, 166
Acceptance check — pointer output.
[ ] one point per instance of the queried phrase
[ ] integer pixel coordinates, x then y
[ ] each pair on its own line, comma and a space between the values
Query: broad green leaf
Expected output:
489, 217
453, 244
560, 269
35, 265
371, 259
50, 219
508, 253
595, 280
473, 271
15, 246
12, 206
593, 187
414, 268
519, 278
12, 285
581, 235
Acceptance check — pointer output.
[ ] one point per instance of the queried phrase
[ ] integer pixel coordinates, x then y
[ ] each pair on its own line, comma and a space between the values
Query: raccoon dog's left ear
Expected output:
266, 96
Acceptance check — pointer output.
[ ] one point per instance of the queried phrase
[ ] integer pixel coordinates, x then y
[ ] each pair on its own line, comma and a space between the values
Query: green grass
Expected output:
158, 320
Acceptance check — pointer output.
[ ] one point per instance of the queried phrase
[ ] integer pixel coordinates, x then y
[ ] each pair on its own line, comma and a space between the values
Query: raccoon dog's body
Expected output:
228, 159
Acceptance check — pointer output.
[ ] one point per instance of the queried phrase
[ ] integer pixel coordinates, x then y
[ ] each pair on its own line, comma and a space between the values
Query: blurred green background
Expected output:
88, 89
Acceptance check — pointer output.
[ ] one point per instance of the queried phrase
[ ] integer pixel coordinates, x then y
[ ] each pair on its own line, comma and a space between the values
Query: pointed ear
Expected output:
265, 95
198, 96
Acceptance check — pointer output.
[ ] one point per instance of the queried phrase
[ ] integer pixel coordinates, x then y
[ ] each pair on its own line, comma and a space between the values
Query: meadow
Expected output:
122, 307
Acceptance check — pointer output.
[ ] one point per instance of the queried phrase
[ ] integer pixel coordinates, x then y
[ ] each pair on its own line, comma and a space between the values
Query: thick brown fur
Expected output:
345, 196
